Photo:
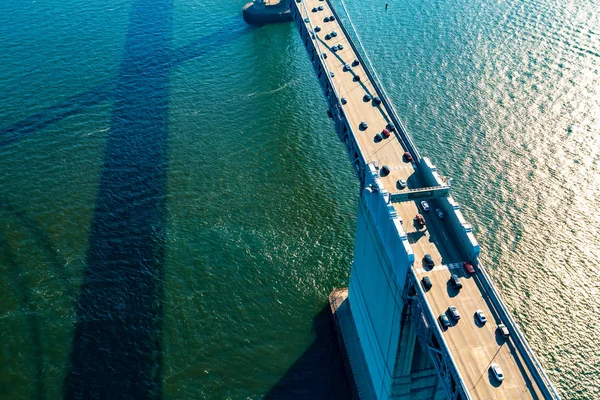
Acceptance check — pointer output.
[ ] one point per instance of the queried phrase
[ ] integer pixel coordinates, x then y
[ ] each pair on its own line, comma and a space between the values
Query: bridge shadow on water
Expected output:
319, 372
118, 332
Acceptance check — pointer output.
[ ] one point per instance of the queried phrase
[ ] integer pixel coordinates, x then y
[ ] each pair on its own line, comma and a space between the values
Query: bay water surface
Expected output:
175, 206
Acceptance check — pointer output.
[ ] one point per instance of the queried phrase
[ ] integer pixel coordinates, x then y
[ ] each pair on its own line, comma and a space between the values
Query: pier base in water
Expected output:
354, 360
262, 12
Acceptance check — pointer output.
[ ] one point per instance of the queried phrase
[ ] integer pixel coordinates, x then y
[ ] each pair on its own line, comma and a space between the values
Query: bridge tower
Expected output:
374, 315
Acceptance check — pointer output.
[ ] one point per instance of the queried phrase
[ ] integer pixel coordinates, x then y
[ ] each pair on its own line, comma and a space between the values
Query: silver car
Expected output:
497, 371
439, 213
425, 206
454, 312
401, 183
481, 317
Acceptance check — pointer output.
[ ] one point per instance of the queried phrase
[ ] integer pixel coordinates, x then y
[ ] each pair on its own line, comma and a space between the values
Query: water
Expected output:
197, 152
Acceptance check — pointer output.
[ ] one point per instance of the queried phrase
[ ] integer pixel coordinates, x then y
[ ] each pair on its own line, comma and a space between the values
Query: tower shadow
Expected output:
117, 341
319, 372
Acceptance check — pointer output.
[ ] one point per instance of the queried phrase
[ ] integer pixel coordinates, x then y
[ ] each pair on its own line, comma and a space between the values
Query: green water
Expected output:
256, 211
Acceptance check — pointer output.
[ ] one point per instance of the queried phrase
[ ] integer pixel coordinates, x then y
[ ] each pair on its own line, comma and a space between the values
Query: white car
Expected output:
401, 183
439, 213
497, 371
481, 316
425, 206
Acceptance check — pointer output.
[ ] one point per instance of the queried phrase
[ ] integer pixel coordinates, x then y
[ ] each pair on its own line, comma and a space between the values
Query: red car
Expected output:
385, 133
469, 268
407, 156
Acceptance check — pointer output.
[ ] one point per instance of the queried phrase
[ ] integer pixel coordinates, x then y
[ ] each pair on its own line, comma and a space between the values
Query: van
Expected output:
503, 331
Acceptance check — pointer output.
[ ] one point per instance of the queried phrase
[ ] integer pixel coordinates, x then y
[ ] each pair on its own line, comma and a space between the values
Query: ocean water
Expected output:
175, 206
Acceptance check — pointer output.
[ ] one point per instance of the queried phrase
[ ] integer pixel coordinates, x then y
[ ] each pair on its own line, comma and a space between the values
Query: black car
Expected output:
355, 63
385, 170
455, 280
426, 283
429, 261
445, 321
377, 100
367, 97
356, 78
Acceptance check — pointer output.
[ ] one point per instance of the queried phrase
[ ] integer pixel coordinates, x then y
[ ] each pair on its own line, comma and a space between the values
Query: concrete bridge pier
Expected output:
262, 12
376, 323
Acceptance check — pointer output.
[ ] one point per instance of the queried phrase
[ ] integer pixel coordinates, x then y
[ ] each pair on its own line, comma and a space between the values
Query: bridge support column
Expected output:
415, 377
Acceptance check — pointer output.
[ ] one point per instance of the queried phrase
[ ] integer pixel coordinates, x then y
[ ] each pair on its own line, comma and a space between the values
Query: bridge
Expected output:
388, 320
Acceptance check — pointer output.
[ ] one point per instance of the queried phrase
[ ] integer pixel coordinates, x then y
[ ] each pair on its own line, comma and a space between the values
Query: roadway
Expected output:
473, 347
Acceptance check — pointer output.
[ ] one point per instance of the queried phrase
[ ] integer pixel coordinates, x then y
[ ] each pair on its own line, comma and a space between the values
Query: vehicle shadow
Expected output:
413, 237
319, 372
452, 291
493, 381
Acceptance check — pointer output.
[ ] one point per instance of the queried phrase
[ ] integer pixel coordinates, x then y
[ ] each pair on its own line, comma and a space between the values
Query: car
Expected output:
377, 100
385, 170
444, 321
391, 127
378, 138
454, 312
327, 37
341, 46
333, 33
324, 56
455, 280
367, 97
385, 133
401, 183
355, 63
425, 206
503, 331
480, 317
307, 20
497, 371
469, 268
346, 67
356, 78
326, 19
429, 261
363, 125
334, 48
420, 219
331, 18
314, 9
407, 155
332, 74
321, 8
317, 28
426, 283
439, 213
343, 100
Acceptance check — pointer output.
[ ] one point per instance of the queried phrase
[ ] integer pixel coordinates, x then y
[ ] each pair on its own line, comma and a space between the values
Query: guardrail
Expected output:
532, 362
379, 88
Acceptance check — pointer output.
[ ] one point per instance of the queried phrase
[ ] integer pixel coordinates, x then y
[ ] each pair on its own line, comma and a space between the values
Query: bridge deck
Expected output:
473, 348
